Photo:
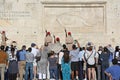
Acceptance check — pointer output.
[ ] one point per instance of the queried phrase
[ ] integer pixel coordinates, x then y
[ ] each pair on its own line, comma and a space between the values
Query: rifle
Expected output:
66, 32
46, 32
54, 38
6, 38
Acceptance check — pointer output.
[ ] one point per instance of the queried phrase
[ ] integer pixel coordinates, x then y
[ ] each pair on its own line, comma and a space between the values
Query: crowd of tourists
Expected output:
56, 61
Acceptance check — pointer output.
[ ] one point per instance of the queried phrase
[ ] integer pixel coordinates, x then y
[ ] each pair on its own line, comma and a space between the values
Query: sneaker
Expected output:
85, 79
76, 77
34, 79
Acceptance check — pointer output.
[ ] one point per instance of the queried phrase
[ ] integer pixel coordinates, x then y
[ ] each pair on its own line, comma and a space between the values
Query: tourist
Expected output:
34, 51
81, 53
113, 72
53, 61
22, 61
60, 56
91, 60
29, 64
98, 72
65, 66
74, 60
3, 61
42, 63
105, 62
13, 65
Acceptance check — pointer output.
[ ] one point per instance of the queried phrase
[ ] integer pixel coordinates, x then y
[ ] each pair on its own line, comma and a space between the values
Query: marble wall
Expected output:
25, 21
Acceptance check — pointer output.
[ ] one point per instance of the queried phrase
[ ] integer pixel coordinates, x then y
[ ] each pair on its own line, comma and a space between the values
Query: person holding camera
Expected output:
74, 60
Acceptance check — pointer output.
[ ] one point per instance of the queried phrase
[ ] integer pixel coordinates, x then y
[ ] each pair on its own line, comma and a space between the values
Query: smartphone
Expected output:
75, 41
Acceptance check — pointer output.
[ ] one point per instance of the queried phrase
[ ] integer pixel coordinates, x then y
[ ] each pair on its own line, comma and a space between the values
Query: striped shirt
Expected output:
12, 57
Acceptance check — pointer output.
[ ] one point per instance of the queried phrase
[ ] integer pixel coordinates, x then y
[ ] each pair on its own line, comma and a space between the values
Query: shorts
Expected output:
74, 66
34, 63
90, 66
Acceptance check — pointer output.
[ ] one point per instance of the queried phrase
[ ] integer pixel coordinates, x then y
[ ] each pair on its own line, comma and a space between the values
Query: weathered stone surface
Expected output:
25, 21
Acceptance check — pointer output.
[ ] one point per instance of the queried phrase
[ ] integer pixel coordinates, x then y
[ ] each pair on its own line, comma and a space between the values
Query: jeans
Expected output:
6, 75
80, 72
104, 67
59, 72
53, 73
98, 72
29, 66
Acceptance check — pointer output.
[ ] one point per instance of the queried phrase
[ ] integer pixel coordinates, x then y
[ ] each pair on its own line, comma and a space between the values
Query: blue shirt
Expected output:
81, 55
111, 57
74, 55
114, 71
22, 55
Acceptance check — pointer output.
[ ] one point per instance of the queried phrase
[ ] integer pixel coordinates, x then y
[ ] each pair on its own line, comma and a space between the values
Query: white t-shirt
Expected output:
91, 59
81, 53
117, 54
60, 57
34, 52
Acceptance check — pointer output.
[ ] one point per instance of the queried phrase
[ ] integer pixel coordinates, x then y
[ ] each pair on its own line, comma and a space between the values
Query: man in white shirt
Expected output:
34, 52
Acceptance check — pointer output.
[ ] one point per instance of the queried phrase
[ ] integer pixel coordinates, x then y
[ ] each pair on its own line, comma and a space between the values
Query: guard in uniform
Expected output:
4, 38
69, 41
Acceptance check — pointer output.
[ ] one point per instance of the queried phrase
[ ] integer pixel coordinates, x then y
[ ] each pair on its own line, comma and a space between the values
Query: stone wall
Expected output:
25, 21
